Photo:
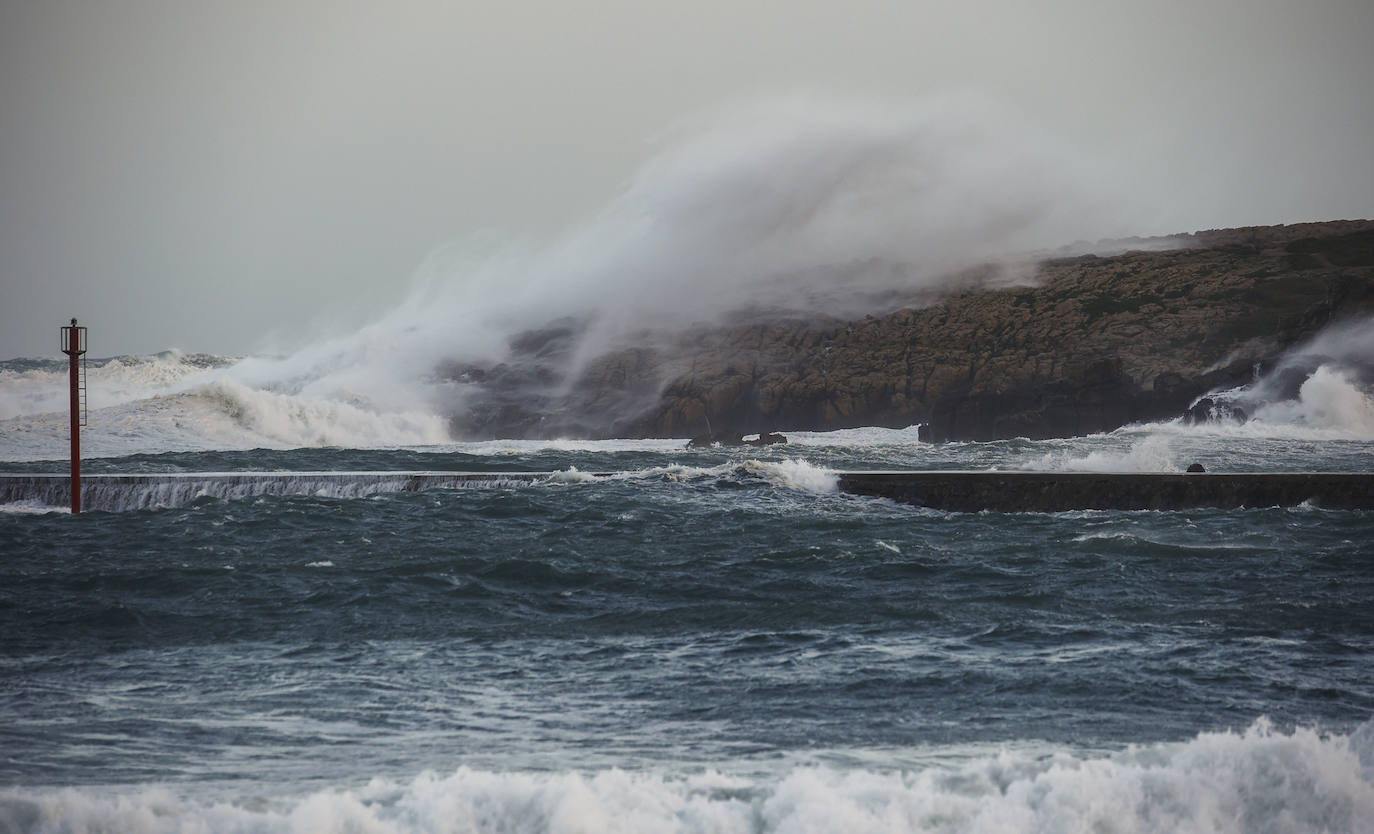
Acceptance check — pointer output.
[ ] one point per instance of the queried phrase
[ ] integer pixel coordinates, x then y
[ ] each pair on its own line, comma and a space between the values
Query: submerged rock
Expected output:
767, 439
1208, 410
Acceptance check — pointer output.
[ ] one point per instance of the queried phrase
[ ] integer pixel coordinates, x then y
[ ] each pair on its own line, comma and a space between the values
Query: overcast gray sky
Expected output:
225, 176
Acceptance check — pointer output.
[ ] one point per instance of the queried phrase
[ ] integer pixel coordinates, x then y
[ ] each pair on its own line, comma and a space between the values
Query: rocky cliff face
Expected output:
1094, 343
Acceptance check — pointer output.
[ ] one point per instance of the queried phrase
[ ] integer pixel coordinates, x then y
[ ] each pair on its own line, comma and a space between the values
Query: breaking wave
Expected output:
1153, 453
1322, 389
188, 402
285, 421
39, 386
1259, 780
1331, 400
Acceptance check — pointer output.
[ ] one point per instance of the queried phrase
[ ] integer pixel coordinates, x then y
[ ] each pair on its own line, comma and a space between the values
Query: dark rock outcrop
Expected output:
1208, 410
1096, 343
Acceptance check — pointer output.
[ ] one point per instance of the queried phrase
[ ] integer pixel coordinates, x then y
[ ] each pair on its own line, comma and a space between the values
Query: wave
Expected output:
1330, 401
276, 420
205, 410
1321, 389
796, 474
39, 386
791, 473
1151, 454
1258, 780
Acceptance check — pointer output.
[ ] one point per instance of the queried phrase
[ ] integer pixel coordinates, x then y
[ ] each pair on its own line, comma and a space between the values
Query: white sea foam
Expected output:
109, 382
1330, 402
572, 475
867, 436
219, 414
676, 472
796, 474
791, 473
285, 421
1256, 781
1153, 453
1335, 400
32, 507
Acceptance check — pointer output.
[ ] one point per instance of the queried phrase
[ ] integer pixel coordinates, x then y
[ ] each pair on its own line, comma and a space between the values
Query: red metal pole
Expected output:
73, 351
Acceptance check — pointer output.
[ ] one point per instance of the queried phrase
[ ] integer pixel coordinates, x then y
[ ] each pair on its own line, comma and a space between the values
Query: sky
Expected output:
234, 177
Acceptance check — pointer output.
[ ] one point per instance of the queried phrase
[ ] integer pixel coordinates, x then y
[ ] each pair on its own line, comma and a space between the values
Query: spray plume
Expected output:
792, 207
1326, 383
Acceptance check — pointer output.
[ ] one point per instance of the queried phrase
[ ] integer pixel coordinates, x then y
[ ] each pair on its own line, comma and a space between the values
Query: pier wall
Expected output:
1063, 491
941, 490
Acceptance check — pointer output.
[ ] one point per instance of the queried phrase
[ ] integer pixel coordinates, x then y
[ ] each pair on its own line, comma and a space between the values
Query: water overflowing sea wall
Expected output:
957, 491
136, 492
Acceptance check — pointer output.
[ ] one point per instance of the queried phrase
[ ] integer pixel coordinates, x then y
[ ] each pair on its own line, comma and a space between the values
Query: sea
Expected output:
696, 640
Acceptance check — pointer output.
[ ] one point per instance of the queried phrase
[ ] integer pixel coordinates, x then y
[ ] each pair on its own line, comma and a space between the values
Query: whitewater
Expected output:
634, 636
705, 640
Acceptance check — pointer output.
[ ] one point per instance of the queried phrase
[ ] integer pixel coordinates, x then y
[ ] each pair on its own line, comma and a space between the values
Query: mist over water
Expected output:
800, 206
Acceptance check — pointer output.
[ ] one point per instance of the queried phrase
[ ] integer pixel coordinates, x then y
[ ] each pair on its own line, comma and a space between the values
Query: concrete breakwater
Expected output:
956, 491
1049, 492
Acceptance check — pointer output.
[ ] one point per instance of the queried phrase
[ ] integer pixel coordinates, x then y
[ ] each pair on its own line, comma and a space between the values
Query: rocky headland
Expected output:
1087, 344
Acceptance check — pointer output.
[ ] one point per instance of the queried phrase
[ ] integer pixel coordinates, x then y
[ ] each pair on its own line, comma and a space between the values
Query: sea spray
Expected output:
802, 206
796, 474
1330, 400
572, 475
1324, 386
1152, 453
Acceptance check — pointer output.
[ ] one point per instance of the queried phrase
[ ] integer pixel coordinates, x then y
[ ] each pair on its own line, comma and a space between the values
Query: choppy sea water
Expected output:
710, 641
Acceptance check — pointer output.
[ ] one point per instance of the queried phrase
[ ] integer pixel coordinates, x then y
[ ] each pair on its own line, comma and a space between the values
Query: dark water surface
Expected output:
716, 645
